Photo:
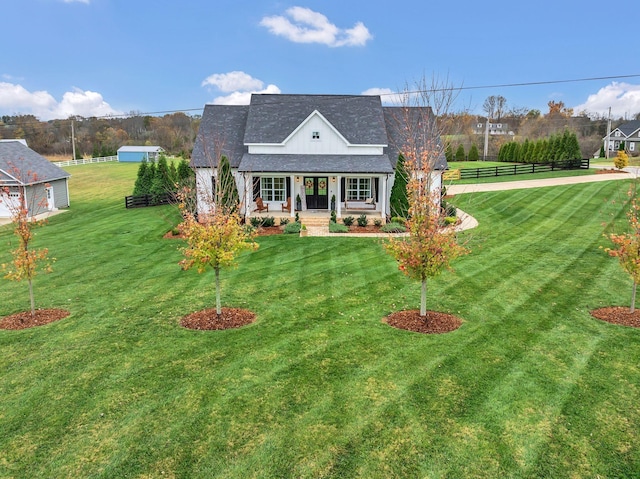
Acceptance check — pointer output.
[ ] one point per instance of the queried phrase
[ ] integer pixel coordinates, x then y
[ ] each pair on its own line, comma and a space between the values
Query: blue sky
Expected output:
100, 57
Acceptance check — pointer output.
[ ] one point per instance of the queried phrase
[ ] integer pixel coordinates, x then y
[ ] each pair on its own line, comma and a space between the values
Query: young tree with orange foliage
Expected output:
430, 247
216, 237
627, 247
26, 261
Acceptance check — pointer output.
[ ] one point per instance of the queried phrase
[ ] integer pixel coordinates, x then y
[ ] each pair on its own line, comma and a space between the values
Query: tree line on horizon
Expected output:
176, 132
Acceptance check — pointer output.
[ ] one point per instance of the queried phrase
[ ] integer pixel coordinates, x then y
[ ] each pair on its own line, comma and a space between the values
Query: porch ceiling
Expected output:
345, 164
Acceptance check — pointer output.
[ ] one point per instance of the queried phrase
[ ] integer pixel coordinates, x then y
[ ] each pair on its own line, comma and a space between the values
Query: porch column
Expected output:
383, 196
339, 197
248, 195
292, 192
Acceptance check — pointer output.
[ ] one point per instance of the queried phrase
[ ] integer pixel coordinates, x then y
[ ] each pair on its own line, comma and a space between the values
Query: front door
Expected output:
51, 204
316, 189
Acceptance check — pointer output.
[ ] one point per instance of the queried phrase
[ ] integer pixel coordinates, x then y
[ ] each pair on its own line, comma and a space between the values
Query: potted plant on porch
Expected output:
333, 202
298, 203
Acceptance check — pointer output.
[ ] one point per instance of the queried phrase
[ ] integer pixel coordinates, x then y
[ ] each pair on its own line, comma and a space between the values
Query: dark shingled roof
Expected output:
395, 118
223, 124
629, 127
316, 163
34, 168
272, 118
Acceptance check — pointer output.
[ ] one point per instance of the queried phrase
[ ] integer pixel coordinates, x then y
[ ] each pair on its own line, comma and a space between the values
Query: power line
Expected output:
509, 85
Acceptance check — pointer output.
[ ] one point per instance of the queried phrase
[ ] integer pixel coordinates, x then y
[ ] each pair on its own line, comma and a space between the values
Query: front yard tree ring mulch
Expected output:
436, 322
208, 319
620, 315
25, 320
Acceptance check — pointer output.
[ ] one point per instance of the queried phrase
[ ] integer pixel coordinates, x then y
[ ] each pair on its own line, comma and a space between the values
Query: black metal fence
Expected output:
143, 201
506, 170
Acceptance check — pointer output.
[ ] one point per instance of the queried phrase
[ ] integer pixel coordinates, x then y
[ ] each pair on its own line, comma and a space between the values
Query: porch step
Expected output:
315, 221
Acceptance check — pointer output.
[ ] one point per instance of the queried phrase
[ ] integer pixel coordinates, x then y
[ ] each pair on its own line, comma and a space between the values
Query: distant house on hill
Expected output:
628, 132
497, 128
45, 185
316, 147
139, 153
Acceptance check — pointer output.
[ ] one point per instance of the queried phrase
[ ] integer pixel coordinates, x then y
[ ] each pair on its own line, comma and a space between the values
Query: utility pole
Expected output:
486, 139
606, 149
73, 141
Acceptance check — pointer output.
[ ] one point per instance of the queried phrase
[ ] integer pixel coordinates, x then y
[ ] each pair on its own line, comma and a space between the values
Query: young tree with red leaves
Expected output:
27, 261
627, 247
430, 247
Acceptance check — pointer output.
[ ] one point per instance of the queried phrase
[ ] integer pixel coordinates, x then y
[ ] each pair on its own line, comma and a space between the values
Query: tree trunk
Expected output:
633, 297
33, 301
423, 299
218, 307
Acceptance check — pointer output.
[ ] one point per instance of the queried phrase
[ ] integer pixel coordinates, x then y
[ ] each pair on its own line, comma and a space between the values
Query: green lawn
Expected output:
531, 386
477, 164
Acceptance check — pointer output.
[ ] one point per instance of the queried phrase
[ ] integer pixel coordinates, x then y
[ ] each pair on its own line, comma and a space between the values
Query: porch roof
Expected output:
345, 164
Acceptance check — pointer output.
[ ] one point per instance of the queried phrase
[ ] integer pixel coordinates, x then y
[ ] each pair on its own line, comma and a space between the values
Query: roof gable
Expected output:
33, 168
315, 115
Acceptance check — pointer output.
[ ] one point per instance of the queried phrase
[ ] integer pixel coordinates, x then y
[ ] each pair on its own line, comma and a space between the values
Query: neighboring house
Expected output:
628, 132
45, 185
498, 128
314, 146
139, 153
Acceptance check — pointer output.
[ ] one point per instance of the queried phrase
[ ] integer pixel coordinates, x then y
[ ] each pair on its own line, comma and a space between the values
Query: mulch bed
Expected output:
270, 230
604, 172
24, 319
364, 229
207, 319
411, 320
620, 315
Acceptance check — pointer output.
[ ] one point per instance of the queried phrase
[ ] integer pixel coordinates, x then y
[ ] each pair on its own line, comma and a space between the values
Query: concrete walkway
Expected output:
48, 214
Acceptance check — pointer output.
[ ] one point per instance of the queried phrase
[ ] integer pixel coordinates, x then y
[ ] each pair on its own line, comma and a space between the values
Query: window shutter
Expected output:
213, 186
288, 187
256, 187
376, 189
343, 183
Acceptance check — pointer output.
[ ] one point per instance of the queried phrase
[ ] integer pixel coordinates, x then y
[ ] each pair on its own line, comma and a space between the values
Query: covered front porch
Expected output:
316, 195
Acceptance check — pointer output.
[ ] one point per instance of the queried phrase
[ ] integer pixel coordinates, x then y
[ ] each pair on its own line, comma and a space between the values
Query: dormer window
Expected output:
315, 135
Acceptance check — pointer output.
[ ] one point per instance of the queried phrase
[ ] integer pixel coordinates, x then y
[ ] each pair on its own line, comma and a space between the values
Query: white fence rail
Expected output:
85, 161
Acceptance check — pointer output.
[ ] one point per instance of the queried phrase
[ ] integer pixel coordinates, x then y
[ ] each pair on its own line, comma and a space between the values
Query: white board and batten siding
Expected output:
301, 142
204, 187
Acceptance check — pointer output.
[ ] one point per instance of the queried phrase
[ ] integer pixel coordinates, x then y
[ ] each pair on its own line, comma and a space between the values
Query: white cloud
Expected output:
233, 81
239, 85
84, 103
243, 98
623, 98
303, 25
388, 96
15, 99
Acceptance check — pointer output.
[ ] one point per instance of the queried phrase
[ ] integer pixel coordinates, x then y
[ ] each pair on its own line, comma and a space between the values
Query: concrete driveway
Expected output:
630, 173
